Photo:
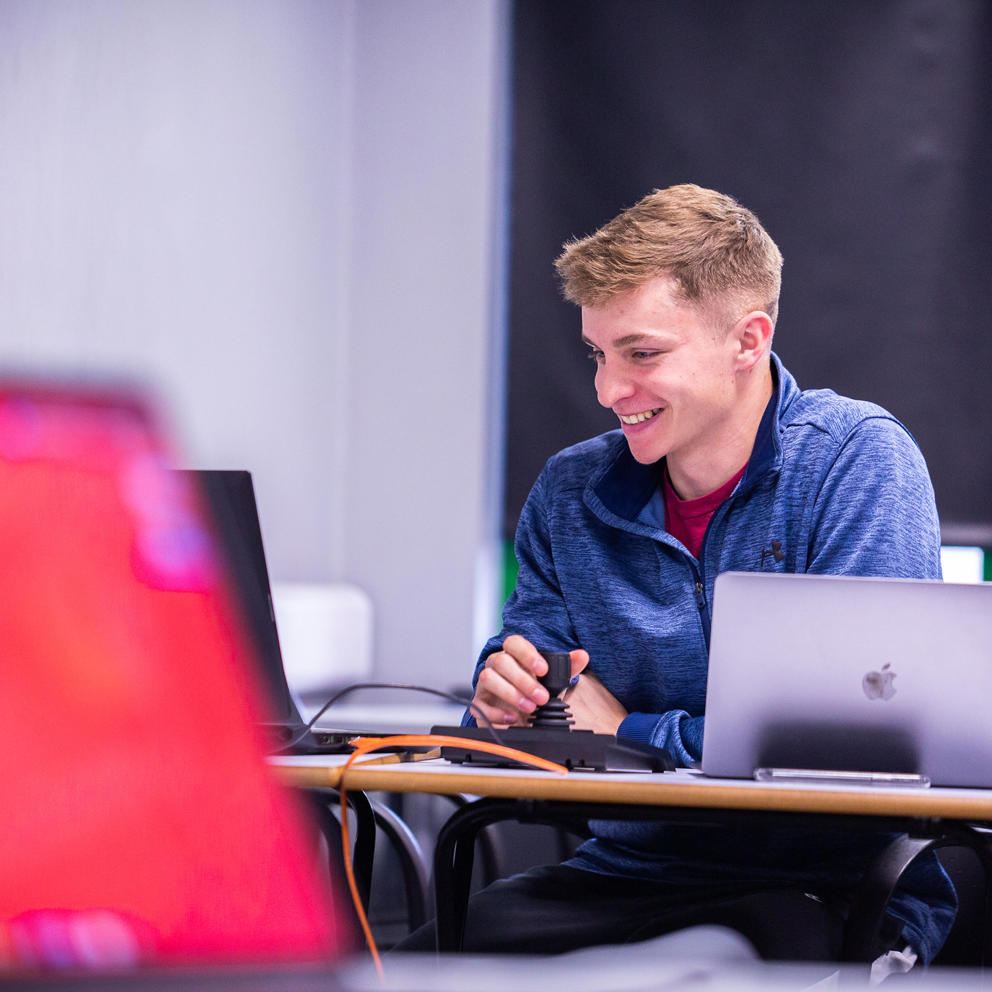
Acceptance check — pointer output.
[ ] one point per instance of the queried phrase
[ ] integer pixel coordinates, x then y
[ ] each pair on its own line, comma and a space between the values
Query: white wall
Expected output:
285, 216
421, 482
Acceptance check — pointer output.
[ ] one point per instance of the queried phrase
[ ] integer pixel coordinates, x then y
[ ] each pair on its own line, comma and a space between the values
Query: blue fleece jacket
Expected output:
833, 486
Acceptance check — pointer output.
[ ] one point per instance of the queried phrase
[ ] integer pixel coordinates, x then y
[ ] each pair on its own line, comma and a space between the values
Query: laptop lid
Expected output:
849, 674
142, 823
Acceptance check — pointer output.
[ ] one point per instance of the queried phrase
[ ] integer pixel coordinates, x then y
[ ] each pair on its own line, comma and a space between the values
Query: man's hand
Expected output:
508, 692
594, 707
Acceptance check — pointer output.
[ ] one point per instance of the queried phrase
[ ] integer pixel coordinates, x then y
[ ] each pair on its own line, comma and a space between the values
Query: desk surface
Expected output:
682, 788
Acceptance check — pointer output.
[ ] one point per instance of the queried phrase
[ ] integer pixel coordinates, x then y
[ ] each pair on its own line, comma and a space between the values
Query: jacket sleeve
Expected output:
680, 734
536, 608
875, 513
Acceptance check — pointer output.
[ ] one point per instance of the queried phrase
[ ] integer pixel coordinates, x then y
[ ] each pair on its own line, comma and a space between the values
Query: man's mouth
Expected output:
638, 418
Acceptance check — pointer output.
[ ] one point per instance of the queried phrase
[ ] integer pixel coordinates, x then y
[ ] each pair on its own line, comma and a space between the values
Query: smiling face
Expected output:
681, 381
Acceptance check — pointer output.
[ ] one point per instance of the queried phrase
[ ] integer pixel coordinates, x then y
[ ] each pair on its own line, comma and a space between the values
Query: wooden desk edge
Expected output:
653, 790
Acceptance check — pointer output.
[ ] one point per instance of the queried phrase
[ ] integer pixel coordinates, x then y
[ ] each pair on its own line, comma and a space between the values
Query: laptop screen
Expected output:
231, 498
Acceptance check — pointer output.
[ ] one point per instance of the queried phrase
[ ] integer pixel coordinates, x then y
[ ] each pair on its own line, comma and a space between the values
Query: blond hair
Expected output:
716, 252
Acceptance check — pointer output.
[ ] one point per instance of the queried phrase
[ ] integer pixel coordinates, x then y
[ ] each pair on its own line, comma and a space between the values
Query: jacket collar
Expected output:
624, 488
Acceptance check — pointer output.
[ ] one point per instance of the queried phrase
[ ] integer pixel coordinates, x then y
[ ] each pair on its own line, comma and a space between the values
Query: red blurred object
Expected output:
140, 822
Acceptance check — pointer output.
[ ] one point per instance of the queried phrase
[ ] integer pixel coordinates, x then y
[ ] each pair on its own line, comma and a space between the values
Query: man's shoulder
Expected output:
834, 415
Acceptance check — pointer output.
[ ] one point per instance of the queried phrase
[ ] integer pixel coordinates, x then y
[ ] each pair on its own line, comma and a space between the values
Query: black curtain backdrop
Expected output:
859, 132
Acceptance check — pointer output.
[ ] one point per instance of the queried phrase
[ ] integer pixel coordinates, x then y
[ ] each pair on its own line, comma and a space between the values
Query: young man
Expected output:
720, 463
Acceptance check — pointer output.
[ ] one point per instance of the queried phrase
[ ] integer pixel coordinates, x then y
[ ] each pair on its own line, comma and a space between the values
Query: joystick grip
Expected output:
555, 712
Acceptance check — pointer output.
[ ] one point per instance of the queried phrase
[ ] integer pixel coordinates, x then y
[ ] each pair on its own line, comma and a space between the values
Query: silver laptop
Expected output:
853, 676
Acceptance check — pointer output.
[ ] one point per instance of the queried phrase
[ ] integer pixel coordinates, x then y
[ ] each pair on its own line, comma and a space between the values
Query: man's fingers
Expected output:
512, 683
579, 659
526, 655
487, 715
494, 690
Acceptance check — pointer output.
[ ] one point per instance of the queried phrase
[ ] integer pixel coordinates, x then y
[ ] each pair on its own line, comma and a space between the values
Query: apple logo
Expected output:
878, 685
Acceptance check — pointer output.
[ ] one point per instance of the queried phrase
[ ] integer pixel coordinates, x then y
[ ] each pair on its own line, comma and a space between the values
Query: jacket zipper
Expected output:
702, 606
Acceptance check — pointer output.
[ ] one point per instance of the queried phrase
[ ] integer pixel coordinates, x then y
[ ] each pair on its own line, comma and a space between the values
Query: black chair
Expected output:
413, 863
964, 851
374, 818
966, 942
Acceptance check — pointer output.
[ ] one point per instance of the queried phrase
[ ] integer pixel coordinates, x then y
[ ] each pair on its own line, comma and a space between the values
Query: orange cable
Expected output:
364, 745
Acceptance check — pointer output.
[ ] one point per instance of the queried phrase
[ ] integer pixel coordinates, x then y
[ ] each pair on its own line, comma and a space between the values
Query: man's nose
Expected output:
612, 385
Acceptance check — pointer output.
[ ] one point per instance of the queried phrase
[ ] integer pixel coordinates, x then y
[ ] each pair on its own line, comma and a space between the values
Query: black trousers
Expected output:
555, 909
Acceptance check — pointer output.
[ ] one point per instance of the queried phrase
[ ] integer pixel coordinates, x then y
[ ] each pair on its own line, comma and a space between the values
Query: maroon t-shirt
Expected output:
686, 519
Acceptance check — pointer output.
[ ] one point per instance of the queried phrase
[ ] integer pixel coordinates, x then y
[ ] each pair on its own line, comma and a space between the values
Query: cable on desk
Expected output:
365, 745
392, 685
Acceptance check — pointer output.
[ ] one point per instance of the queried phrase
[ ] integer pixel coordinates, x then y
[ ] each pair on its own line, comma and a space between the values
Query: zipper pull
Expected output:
700, 596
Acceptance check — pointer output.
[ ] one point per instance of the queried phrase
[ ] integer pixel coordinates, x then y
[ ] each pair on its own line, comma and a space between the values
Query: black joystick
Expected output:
555, 712
551, 735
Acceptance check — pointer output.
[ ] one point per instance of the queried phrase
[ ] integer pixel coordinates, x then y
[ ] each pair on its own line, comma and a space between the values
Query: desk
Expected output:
934, 816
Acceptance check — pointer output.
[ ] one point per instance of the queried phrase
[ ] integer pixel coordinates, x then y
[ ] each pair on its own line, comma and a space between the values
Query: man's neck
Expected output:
701, 473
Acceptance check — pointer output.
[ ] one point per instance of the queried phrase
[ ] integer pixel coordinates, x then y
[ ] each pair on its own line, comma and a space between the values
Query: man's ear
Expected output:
753, 334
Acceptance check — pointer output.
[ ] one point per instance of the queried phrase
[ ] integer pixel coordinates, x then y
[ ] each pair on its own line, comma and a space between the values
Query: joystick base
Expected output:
575, 749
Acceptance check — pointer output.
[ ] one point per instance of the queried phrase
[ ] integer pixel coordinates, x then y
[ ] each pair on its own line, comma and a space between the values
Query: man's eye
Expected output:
595, 356
644, 356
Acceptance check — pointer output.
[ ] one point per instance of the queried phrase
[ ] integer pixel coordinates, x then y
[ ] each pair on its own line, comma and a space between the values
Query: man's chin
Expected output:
644, 455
